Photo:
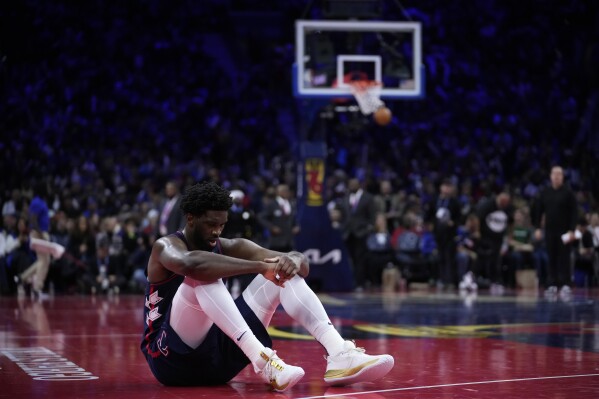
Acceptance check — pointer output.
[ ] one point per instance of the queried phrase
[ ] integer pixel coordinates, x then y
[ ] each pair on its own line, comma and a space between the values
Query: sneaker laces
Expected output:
271, 366
349, 350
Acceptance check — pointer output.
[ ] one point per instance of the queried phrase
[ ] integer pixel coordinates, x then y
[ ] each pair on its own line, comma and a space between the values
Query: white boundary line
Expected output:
451, 385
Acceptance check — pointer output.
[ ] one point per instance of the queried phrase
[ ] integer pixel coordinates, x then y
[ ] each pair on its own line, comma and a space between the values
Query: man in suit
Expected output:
171, 218
279, 218
444, 213
359, 211
391, 204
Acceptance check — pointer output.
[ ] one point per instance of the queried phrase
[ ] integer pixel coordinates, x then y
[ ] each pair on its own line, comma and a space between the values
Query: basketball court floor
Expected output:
519, 345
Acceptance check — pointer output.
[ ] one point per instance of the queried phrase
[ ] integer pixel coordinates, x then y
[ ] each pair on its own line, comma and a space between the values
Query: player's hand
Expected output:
301, 261
272, 272
287, 267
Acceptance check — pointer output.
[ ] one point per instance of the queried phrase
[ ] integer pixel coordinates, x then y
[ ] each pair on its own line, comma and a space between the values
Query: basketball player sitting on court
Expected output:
196, 334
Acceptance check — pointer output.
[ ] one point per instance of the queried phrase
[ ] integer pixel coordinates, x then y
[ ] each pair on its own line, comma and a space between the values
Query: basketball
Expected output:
383, 116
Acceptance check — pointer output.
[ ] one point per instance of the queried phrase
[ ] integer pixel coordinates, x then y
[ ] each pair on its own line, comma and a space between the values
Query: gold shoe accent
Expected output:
347, 372
272, 362
277, 387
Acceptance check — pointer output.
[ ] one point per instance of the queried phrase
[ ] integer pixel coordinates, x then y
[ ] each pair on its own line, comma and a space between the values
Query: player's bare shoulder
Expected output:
226, 244
157, 264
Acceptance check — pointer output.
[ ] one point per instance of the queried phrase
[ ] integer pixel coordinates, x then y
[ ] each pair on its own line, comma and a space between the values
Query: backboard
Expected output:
331, 53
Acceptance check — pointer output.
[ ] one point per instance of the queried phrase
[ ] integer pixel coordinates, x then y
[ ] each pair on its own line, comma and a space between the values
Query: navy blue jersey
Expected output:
159, 297
217, 360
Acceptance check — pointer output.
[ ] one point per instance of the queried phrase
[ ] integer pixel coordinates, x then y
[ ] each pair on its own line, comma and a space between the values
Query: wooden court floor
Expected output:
446, 345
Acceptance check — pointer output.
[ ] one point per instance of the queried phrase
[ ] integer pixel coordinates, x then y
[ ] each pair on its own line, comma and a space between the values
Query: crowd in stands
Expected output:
106, 103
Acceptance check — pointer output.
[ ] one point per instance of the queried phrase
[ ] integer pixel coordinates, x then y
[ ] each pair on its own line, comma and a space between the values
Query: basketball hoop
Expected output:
367, 94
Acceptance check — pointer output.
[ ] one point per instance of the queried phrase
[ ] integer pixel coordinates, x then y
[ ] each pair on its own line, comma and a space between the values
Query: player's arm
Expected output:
173, 255
290, 263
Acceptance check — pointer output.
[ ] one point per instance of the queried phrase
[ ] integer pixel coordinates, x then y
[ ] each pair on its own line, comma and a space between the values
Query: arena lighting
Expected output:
352, 8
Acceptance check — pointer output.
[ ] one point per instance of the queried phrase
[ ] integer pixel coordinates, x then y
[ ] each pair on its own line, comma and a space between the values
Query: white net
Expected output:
368, 95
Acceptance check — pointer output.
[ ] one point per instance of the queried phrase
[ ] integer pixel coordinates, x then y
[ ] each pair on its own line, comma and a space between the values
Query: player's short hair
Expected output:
205, 196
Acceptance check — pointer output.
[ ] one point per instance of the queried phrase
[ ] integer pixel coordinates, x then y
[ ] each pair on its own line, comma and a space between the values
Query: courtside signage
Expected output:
44, 365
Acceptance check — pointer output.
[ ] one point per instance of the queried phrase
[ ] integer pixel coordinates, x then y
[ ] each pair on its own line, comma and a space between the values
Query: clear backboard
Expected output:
329, 54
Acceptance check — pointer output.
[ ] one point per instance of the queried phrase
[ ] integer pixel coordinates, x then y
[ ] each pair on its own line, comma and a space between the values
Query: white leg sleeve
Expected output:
197, 305
188, 319
300, 302
263, 297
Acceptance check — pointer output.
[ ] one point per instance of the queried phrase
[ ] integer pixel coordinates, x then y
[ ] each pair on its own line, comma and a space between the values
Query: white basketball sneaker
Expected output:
277, 373
353, 365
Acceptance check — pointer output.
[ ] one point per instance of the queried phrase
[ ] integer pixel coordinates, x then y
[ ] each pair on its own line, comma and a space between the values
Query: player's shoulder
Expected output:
235, 246
167, 241
226, 243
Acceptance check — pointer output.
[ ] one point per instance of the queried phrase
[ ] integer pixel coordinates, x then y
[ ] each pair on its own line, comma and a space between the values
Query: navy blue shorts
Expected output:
216, 361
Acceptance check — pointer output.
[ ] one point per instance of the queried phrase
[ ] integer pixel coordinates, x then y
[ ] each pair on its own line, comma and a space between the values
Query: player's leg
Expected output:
346, 364
300, 302
198, 305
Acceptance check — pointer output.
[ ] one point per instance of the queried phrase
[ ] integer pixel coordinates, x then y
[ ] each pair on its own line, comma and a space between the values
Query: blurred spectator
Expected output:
444, 213
148, 222
82, 241
496, 218
520, 243
390, 204
540, 255
413, 263
21, 256
171, 218
137, 246
62, 275
430, 252
279, 218
110, 237
584, 255
241, 221
467, 243
358, 215
557, 205
104, 274
13, 204
594, 229
380, 251
9, 241
39, 225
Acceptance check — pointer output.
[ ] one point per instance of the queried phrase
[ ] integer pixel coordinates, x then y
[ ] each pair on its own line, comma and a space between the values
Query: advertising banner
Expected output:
329, 262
